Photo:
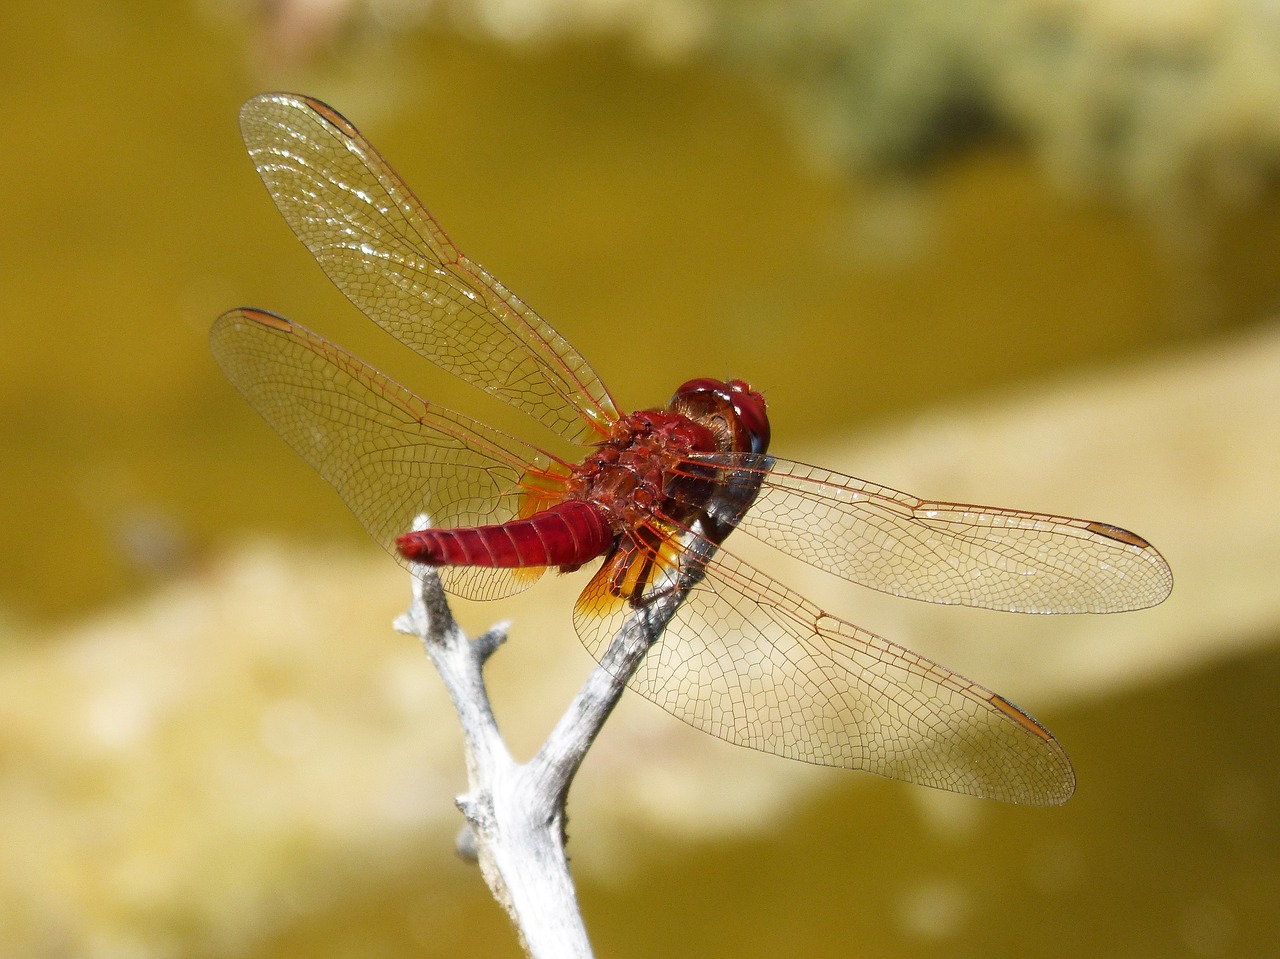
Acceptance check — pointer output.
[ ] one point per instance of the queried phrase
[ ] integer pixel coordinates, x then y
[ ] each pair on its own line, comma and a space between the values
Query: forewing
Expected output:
754, 664
389, 256
950, 552
388, 453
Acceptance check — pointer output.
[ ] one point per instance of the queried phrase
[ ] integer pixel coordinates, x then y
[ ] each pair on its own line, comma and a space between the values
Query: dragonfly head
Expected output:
708, 398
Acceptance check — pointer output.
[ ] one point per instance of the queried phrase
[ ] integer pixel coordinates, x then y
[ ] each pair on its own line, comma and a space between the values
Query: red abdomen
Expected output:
567, 534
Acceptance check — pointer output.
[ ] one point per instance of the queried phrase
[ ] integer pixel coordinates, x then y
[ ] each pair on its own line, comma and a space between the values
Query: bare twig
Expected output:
516, 812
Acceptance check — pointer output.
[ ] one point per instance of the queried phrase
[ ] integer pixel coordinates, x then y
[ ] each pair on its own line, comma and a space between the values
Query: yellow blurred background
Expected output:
920, 227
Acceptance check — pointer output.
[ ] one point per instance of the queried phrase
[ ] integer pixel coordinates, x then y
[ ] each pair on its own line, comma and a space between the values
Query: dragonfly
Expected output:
652, 495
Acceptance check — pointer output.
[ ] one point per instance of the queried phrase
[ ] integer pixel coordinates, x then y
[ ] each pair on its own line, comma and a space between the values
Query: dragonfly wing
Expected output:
950, 552
753, 663
381, 247
388, 453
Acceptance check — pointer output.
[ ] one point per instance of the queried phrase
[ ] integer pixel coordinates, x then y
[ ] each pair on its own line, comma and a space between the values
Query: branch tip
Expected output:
466, 844
487, 644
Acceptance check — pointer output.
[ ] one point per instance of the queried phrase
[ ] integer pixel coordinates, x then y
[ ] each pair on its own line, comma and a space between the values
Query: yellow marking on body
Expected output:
527, 574
598, 599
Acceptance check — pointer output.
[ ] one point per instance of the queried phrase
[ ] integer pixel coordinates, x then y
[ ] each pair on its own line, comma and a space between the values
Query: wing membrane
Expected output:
388, 453
949, 552
751, 662
381, 247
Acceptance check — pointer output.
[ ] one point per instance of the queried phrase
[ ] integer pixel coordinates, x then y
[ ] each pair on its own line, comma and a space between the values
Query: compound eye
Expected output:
749, 408
703, 384
706, 396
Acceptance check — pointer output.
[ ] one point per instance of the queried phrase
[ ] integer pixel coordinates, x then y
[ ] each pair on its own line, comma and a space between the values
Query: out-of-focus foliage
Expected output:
1171, 105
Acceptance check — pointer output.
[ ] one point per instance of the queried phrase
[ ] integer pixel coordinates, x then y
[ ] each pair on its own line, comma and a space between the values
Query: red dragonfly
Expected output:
654, 493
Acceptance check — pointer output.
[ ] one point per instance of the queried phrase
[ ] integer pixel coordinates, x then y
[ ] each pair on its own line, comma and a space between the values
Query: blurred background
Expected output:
1006, 251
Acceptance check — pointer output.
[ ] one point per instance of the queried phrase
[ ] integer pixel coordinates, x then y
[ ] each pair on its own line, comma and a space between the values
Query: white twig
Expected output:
516, 812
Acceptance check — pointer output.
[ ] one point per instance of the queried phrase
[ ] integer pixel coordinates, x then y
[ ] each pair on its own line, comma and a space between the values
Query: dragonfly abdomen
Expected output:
566, 535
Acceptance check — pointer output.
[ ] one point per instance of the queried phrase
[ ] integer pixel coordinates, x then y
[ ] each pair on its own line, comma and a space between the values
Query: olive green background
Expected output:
666, 213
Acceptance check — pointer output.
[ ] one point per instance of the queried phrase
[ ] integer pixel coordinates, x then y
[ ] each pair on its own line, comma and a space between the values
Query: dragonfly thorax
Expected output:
632, 472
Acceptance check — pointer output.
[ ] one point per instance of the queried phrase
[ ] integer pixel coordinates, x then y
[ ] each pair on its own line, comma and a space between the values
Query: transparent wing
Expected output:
949, 552
380, 247
388, 453
751, 662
